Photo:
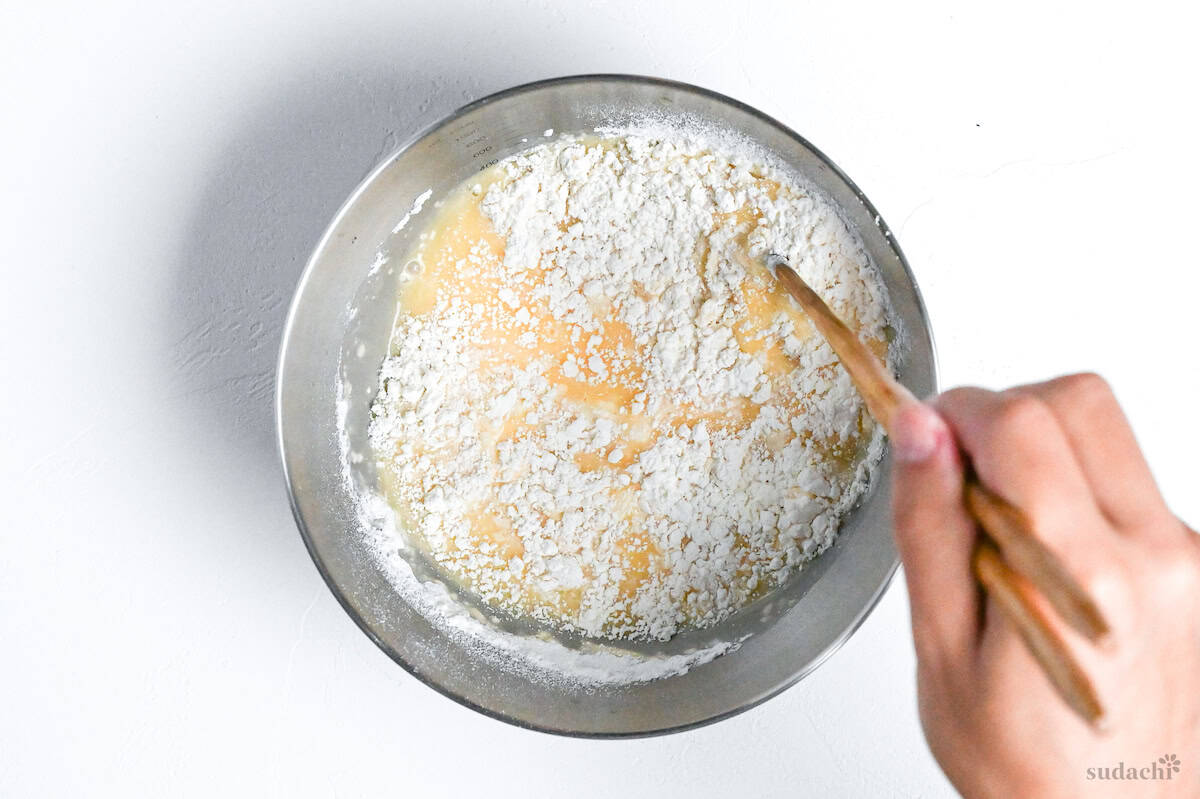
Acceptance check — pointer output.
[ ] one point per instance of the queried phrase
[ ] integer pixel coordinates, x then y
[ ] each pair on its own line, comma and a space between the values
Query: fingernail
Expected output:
917, 433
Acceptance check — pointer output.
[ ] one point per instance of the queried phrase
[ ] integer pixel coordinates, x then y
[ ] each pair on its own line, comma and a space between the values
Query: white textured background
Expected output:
166, 168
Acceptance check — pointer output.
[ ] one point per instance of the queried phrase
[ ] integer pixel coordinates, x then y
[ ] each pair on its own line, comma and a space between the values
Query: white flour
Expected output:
645, 231
539, 657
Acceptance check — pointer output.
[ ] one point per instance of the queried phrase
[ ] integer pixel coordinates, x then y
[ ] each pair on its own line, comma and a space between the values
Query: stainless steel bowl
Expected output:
340, 320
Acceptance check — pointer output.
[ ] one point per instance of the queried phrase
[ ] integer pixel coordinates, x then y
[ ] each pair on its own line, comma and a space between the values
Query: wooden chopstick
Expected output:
1014, 595
1012, 531
1006, 524
1026, 564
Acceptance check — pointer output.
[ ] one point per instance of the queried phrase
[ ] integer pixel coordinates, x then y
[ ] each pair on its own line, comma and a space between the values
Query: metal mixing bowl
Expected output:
340, 321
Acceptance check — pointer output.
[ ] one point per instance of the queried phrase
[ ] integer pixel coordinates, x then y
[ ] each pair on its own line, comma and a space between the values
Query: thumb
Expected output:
934, 534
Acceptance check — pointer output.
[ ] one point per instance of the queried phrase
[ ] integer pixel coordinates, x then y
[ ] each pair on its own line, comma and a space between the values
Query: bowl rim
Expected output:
318, 250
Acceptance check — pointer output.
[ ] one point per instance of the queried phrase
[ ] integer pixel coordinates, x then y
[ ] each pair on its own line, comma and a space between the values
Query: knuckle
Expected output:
1086, 387
1105, 584
1177, 577
1022, 412
956, 394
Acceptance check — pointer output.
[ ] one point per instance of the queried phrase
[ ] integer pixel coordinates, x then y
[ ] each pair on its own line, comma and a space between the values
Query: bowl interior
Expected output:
338, 331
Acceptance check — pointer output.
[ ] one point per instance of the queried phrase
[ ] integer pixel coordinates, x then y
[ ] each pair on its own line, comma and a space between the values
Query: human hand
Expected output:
1063, 452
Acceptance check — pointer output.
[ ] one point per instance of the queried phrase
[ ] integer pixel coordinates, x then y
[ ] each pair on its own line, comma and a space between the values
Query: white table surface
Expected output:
167, 168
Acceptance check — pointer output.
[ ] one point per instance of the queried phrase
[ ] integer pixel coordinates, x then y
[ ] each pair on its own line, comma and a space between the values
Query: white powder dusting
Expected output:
539, 657
645, 232
417, 205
